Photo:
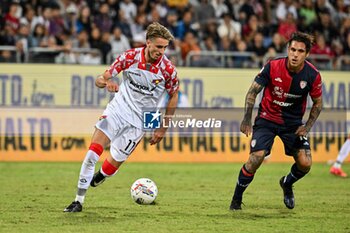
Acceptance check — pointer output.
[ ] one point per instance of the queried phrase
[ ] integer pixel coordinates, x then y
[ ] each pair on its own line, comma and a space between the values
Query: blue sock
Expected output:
244, 179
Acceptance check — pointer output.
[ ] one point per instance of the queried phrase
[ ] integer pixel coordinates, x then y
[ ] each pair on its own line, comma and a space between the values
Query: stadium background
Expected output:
48, 113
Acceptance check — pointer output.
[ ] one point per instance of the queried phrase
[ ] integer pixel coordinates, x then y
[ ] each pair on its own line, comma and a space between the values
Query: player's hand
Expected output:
157, 136
302, 131
246, 127
112, 86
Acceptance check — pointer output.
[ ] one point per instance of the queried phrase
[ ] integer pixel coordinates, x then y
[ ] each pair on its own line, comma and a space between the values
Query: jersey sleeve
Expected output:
122, 62
316, 88
263, 76
171, 80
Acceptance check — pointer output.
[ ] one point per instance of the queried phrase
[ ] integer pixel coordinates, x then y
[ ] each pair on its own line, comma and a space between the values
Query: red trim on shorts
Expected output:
246, 173
108, 168
97, 148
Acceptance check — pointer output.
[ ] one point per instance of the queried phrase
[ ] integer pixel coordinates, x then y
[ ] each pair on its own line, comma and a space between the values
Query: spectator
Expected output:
11, 18
208, 44
185, 25
119, 41
70, 19
66, 56
340, 9
82, 40
154, 15
211, 29
171, 21
324, 5
287, 27
307, 13
43, 19
54, 49
226, 45
258, 49
242, 61
321, 48
84, 20
138, 28
344, 28
250, 29
204, 12
123, 24
95, 38
37, 37
189, 44
278, 43
228, 27
345, 64
130, 10
220, 8
113, 9
326, 27
7, 36
7, 56
284, 7
246, 10
22, 41
102, 19
28, 17
56, 22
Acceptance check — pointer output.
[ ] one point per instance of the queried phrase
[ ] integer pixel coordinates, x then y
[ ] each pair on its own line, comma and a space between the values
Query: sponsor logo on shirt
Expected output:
282, 104
278, 91
278, 79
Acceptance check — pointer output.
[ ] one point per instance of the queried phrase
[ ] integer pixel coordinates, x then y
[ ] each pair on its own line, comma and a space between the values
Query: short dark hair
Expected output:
305, 38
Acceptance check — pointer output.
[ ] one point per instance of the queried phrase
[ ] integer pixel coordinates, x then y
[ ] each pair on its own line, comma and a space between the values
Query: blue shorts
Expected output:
264, 133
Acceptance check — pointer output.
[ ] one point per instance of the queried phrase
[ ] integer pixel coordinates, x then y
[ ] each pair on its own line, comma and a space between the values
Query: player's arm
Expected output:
105, 80
246, 125
169, 112
314, 113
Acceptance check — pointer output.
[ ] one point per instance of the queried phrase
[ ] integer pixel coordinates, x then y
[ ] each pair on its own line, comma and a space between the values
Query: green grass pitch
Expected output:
192, 198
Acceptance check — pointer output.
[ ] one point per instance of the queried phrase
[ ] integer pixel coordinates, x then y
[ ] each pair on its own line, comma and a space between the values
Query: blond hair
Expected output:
156, 30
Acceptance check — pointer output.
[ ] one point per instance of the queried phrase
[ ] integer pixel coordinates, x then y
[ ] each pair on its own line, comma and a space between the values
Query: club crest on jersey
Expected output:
303, 84
253, 143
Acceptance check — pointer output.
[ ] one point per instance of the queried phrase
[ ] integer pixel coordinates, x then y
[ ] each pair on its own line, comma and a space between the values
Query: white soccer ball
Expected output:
144, 191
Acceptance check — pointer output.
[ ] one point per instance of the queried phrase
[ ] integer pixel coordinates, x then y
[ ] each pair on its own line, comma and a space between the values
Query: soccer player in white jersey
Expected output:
147, 76
343, 153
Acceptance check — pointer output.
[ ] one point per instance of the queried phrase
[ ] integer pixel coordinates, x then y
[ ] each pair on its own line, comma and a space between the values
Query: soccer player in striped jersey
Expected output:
287, 82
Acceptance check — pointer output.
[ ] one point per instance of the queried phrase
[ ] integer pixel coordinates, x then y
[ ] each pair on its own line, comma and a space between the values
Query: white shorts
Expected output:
124, 136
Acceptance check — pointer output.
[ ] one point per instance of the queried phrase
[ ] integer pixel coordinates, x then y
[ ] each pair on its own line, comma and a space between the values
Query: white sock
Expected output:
80, 199
343, 153
87, 169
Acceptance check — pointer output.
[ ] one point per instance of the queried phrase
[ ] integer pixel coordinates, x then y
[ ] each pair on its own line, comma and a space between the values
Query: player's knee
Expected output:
304, 160
255, 160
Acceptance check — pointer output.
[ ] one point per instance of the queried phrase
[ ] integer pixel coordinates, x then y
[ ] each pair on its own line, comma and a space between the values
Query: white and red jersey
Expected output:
143, 84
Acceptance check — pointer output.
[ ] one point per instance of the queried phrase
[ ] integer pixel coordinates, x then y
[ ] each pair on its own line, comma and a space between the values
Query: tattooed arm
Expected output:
314, 113
246, 125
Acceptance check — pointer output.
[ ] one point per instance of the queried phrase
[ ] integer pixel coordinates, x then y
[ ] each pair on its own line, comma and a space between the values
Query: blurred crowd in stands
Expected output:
235, 33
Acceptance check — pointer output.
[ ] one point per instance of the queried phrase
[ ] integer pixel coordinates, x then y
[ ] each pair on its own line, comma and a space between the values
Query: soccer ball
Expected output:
144, 191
